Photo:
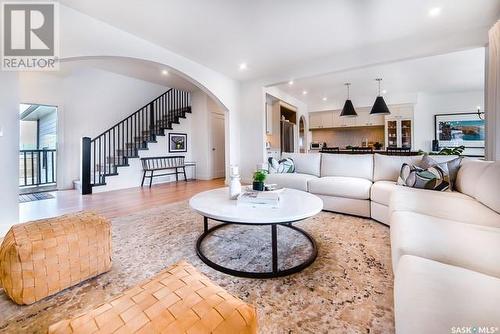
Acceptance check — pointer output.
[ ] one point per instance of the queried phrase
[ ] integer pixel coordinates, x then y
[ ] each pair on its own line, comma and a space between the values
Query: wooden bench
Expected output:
154, 164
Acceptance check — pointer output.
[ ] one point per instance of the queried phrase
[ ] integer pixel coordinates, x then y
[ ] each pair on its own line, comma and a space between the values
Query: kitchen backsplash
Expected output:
349, 136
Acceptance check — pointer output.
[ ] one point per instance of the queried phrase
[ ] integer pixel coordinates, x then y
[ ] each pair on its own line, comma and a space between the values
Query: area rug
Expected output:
34, 197
348, 289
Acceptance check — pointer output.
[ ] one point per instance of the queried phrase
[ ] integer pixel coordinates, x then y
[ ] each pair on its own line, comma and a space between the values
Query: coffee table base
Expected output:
274, 243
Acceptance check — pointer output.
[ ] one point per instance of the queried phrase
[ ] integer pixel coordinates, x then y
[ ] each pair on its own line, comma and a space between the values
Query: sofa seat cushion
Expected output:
445, 241
432, 297
447, 205
340, 186
381, 191
290, 180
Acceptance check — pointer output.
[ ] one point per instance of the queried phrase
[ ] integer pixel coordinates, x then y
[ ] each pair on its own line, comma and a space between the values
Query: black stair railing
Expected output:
103, 154
37, 167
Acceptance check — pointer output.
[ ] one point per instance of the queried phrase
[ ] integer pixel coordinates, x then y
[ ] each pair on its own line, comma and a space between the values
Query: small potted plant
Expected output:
258, 180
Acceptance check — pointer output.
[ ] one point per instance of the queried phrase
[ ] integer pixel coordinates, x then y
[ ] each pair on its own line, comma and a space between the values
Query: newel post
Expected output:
86, 164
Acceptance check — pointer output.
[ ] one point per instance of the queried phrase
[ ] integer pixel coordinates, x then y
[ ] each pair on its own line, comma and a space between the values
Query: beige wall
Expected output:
352, 136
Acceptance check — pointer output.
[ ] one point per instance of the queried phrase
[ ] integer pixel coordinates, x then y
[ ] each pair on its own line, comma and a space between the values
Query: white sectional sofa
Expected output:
446, 254
356, 184
445, 245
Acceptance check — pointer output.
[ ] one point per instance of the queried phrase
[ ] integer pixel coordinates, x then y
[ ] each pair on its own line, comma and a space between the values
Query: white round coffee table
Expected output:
295, 205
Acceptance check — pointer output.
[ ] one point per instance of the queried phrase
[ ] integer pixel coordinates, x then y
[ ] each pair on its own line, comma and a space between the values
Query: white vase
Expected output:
234, 187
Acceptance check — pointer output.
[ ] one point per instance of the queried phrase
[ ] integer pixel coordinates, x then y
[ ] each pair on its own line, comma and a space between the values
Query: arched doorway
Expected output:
302, 135
129, 84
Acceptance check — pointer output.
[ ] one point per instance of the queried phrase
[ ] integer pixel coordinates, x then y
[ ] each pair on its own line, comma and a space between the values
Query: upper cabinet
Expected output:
332, 119
322, 119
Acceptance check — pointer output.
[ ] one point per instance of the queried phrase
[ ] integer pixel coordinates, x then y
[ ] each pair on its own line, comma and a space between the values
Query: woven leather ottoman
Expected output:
177, 300
41, 258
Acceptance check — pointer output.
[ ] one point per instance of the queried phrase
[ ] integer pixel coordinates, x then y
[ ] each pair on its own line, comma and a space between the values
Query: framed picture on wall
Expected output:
465, 129
177, 142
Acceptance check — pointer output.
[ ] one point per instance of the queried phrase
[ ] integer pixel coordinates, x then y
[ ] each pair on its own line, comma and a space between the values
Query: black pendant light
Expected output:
379, 107
348, 110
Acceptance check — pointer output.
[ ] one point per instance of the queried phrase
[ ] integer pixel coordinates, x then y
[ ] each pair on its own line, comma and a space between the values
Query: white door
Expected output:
218, 149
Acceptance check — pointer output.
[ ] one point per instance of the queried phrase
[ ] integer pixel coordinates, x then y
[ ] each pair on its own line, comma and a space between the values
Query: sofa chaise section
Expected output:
473, 247
433, 297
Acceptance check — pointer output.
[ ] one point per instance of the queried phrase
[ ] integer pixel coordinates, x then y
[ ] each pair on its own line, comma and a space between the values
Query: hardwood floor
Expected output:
115, 203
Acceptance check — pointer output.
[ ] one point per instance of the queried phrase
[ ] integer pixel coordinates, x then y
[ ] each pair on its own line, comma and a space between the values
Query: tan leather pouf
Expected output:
41, 258
177, 300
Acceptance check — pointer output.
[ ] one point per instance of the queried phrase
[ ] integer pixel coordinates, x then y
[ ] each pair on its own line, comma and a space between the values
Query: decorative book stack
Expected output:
268, 199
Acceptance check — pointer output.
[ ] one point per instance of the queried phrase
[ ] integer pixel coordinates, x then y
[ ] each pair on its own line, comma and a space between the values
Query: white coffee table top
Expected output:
294, 205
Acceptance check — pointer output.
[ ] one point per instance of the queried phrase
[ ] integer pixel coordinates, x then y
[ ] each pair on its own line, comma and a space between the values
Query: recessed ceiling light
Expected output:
164, 72
304, 92
325, 98
384, 91
243, 66
433, 12
290, 82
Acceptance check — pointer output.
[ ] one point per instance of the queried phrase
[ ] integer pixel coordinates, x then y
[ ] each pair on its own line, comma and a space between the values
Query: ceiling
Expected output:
274, 35
35, 112
135, 68
453, 72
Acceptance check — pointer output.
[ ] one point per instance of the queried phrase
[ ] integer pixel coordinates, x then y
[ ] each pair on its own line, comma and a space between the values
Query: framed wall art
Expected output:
177, 142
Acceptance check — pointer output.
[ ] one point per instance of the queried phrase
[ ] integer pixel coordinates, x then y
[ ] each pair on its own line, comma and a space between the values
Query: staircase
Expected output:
103, 155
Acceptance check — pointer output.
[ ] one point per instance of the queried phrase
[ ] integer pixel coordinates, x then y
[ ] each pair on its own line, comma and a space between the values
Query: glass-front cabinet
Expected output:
392, 133
399, 127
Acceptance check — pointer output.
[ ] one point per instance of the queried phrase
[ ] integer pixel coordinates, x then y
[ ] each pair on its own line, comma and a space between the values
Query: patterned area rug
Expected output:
34, 197
348, 289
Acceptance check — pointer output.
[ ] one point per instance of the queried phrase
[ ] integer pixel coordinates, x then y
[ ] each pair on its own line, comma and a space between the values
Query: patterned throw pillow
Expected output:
452, 166
432, 178
283, 166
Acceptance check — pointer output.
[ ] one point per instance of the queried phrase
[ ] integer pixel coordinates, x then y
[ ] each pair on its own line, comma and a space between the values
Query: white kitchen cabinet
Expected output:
322, 119
399, 132
327, 119
315, 120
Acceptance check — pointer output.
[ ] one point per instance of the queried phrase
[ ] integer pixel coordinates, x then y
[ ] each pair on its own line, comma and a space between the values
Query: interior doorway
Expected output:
37, 150
218, 145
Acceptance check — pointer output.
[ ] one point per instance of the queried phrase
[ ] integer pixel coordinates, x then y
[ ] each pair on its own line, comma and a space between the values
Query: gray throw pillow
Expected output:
451, 167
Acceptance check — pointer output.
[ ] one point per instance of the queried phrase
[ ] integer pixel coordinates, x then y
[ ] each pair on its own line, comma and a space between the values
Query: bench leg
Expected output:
184, 171
143, 178
151, 179
176, 174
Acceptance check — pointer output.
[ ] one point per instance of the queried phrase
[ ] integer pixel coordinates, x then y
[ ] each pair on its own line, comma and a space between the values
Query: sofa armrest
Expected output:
468, 246
446, 205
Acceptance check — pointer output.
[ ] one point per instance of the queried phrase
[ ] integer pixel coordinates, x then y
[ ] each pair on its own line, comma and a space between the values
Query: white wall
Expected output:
9, 147
89, 102
101, 39
429, 105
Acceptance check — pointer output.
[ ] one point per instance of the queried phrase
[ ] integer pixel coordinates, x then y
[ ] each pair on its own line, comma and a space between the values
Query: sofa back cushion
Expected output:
468, 175
388, 167
488, 187
348, 165
305, 163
